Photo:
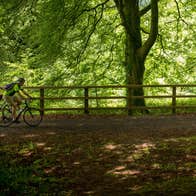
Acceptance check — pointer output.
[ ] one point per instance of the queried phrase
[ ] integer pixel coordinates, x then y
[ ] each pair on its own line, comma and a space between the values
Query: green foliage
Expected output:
82, 43
172, 59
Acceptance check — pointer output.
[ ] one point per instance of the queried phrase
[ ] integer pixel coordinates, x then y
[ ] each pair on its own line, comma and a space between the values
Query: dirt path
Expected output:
125, 123
97, 155
146, 125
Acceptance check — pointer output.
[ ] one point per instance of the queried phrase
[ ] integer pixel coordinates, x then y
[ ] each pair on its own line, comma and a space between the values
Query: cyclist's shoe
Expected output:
15, 121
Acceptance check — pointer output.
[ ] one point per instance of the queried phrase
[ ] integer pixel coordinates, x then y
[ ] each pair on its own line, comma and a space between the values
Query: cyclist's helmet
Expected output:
21, 80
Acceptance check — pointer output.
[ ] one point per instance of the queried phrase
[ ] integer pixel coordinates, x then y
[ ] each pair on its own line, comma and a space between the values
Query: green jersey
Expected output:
16, 88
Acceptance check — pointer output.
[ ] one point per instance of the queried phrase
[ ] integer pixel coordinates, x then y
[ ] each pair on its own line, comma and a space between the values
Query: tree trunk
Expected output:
134, 65
134, 76
135, 52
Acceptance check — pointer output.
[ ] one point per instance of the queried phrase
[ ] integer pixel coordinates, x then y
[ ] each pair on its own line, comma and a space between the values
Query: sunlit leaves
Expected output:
176, 41
58, 40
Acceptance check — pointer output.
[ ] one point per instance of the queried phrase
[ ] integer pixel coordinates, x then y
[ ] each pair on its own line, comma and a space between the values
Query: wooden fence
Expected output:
174, 93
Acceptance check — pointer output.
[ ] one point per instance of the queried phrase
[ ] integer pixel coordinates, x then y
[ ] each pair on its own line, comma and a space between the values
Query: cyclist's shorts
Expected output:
9, 99
13, 100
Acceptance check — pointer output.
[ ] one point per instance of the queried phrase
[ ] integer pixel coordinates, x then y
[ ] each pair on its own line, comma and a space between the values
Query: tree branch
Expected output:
153, 30
96, 21
98, 5
145, 10
179, 17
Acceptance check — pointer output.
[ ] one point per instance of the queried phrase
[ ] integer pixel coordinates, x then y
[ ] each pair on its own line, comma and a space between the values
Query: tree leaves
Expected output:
82, 42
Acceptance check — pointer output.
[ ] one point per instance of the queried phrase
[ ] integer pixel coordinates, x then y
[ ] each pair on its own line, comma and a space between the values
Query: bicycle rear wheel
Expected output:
32, 117
6, 116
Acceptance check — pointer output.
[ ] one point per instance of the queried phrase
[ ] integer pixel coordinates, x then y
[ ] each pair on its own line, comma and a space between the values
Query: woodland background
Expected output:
62, 43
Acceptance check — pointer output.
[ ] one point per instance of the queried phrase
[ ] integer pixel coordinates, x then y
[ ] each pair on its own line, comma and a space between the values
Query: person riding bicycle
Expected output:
15, 94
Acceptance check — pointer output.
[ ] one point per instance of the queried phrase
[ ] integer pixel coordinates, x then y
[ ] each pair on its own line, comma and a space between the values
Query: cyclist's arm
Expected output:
23, 92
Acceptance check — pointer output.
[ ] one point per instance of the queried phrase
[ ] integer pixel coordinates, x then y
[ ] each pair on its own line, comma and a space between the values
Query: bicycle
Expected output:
31, 116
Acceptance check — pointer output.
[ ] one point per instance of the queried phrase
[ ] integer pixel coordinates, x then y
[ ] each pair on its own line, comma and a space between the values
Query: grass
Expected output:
149, 102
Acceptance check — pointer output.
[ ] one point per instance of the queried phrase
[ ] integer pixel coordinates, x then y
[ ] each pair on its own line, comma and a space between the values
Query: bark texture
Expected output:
135, 50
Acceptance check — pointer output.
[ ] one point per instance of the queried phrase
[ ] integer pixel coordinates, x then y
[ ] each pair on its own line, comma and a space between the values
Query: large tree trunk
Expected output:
135, 52
134, 66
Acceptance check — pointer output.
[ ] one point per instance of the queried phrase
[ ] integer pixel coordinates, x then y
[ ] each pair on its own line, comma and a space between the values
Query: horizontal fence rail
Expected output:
86, 97
90, 97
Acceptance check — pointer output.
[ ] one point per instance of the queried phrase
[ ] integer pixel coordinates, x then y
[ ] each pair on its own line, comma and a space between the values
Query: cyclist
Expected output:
14, 96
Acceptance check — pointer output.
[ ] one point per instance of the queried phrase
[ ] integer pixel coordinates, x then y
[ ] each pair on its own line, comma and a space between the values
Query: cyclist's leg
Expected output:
6, 115
18, 99
13, 104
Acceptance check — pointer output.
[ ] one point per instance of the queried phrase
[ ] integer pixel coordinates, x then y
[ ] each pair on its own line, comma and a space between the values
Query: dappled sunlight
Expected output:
25, 152
50, 170
111, 147
122, 170
51, 133
76, 163
40, 144
120, 167
89, 192
172, 140
178, 139
191, 157
30, 135
127, 156
135, 188
144, 146
156, 166
114, 148
97, 162
47, 148
140, 150
3, 135
130, 159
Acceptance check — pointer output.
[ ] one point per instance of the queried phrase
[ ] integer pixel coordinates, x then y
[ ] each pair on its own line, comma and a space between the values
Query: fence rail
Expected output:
86, 97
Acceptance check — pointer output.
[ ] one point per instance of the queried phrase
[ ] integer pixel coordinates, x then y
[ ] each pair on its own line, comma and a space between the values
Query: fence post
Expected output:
173, 99
129, 90
42, 100
86, 110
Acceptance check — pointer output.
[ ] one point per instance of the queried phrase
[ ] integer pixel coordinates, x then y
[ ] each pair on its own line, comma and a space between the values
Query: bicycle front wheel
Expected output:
6, 116
32, 117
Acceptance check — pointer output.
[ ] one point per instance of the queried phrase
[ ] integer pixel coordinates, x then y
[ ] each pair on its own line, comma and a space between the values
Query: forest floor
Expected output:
100, 155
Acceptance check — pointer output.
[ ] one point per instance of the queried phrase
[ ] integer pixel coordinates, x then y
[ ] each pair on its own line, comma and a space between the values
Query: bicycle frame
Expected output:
31, 116
22, 110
